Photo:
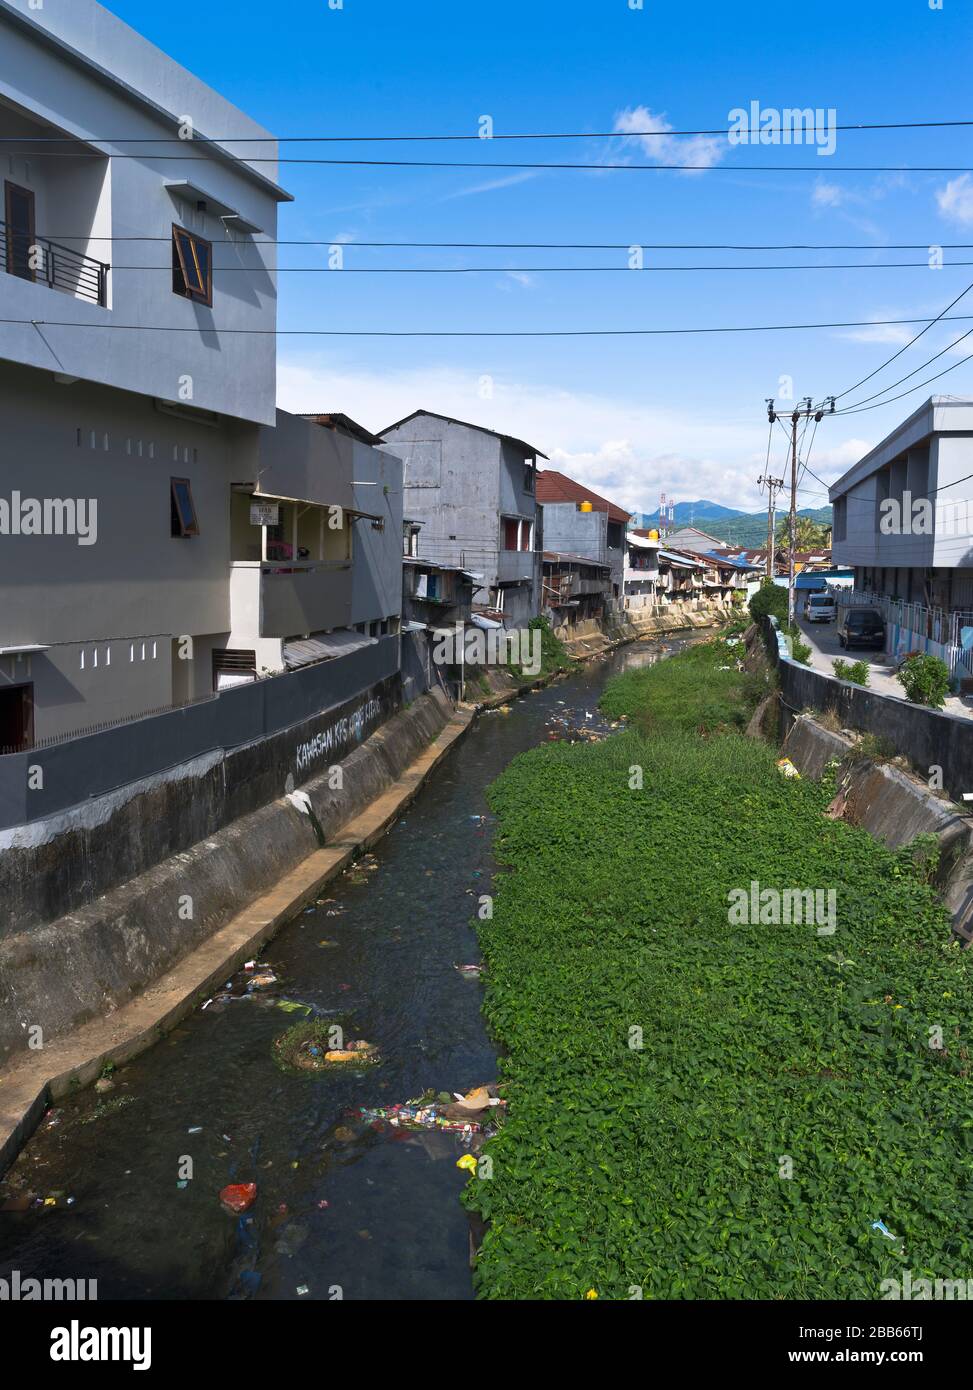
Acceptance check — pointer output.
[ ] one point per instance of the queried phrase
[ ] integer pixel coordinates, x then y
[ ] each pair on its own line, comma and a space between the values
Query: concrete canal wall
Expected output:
892, 805
59, 974
96, 811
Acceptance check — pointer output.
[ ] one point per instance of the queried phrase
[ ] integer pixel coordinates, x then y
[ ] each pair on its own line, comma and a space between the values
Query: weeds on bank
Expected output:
700, 1109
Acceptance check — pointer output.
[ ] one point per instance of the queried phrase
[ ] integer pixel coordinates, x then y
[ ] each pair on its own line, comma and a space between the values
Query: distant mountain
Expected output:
693, 513
750, 529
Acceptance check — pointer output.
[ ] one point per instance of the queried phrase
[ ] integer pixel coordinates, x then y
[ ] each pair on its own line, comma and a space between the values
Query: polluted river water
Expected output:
122, 1185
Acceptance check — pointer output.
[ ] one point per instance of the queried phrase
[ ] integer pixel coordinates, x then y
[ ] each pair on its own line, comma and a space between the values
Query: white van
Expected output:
819, 607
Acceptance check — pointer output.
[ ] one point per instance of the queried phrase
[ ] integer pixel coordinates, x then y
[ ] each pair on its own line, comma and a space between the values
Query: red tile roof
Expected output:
553, 486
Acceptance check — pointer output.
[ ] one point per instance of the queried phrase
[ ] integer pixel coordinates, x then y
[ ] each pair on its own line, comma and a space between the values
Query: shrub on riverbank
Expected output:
554, 654
700, 688
787, 1092
769, 598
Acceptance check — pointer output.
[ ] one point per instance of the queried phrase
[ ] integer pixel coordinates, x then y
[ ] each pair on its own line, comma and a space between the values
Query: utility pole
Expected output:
774, 486
804, 411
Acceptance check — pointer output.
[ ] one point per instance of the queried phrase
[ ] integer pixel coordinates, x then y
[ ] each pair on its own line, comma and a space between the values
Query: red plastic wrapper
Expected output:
239, 1196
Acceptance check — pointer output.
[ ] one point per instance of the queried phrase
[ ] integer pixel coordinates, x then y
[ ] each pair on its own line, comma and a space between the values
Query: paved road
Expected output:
823, 639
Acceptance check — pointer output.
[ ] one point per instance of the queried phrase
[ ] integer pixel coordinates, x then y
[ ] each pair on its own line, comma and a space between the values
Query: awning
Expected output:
641, 542
193, 193
478, 620
679, 561
324, 648
27, 650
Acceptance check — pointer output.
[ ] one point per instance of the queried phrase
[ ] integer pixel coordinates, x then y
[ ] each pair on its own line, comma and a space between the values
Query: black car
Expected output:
861, 627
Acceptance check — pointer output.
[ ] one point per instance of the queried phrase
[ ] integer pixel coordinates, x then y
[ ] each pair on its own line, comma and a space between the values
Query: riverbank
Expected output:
377, 951
704, 1105
40, 1076
563, 653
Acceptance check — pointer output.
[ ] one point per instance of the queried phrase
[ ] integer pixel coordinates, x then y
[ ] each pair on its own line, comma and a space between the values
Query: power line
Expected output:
542, 269
848, 390
471, 333
561, 245
871, 501
535, 135
860, 410
922, 366
482, 165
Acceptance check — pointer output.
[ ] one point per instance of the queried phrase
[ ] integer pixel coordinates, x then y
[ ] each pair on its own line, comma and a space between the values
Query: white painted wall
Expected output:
102, 79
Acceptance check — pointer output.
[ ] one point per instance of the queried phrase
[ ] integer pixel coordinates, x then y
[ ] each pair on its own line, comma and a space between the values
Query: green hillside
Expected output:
751, 530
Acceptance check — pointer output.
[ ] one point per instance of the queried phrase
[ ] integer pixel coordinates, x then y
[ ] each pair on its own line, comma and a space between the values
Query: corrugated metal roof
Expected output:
325, 647
554, 557
683, 561
529, 449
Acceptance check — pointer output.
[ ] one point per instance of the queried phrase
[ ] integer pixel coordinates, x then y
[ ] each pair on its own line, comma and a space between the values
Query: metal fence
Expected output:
48, 263
938, 624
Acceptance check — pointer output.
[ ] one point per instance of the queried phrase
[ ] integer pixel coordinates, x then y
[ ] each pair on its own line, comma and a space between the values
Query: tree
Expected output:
808, 534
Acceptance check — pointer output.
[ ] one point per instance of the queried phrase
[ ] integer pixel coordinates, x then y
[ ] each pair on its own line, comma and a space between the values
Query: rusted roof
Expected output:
553, 486
334, 420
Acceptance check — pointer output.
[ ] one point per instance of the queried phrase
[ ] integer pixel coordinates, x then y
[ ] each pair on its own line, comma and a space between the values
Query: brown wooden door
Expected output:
18, 214
16, 717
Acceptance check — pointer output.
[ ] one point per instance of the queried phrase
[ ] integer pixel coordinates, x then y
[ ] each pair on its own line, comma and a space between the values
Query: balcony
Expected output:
270, 599
515, 565
58, 267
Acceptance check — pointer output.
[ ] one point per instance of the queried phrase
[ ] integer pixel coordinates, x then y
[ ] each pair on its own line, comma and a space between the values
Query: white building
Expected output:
149, 488
903, 519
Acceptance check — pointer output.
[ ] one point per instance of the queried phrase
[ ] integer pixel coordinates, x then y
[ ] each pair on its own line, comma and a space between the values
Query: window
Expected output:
19, 217
233, 666
192, 266
529, 475
182, 510
511, 533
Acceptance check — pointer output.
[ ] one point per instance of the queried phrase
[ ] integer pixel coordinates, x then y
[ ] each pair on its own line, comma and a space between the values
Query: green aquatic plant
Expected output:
701, 1109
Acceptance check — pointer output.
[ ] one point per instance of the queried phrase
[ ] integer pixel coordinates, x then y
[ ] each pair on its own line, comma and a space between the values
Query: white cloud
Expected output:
896, 334
623, 448
519, 278
491, 185
666, 148
827, 195
956, 200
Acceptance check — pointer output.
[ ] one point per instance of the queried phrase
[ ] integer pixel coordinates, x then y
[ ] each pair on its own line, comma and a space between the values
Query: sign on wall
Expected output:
264, 513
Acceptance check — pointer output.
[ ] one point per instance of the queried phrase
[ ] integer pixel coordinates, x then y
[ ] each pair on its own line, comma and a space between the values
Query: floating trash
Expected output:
239, 1197
308, 1047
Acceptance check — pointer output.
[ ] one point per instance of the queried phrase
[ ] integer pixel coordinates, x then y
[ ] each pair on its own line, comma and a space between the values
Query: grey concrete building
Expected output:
580, 522
165, 531
473, 490
903, 515
691, 538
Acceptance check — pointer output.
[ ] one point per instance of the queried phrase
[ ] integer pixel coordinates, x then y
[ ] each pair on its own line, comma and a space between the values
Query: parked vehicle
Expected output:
819, 607
861, 627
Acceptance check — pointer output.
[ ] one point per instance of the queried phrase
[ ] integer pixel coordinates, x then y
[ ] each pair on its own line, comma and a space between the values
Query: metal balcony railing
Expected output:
58, 267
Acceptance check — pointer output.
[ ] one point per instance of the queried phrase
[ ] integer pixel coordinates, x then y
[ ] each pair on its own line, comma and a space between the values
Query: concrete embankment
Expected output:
892, 805
247, 882
881, 795
60, 975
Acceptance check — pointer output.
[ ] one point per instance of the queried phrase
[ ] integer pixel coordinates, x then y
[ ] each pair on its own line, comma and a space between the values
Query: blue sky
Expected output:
630, 416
